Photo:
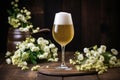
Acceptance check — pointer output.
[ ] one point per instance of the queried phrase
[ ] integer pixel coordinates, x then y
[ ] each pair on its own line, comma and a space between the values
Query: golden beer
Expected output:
63, 34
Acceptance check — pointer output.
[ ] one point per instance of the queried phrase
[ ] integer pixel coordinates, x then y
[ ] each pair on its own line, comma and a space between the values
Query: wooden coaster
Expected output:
50, 70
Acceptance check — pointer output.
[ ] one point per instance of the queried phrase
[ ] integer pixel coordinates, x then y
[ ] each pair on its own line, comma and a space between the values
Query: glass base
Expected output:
63, 67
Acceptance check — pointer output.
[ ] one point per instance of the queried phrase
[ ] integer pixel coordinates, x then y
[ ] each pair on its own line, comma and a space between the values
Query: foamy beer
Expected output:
63, 33
63, 30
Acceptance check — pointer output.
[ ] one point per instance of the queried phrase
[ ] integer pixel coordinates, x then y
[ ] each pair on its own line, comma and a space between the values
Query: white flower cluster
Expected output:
35, 68
95, 58
32, 50
19, 18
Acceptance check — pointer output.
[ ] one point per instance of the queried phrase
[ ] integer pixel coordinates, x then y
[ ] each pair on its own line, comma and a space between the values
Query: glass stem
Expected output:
63, 56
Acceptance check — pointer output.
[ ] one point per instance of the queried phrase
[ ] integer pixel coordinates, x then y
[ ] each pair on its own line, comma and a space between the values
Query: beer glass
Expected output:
63, 33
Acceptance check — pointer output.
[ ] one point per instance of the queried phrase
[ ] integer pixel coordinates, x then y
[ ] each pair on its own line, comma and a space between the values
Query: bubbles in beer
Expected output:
63, 18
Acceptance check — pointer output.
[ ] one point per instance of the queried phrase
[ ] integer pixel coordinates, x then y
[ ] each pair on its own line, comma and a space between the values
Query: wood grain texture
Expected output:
10, 72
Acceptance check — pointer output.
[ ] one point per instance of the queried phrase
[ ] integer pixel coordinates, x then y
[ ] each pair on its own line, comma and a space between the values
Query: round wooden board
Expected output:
50, 70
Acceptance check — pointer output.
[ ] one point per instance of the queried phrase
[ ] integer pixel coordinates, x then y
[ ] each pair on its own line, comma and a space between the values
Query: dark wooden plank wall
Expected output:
3, 25
95, 21
100, 23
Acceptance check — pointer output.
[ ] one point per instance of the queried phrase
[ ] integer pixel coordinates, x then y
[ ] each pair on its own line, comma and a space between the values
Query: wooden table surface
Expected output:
10, 72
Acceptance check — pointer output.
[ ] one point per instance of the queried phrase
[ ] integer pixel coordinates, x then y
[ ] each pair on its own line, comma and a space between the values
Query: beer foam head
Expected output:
62, 18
